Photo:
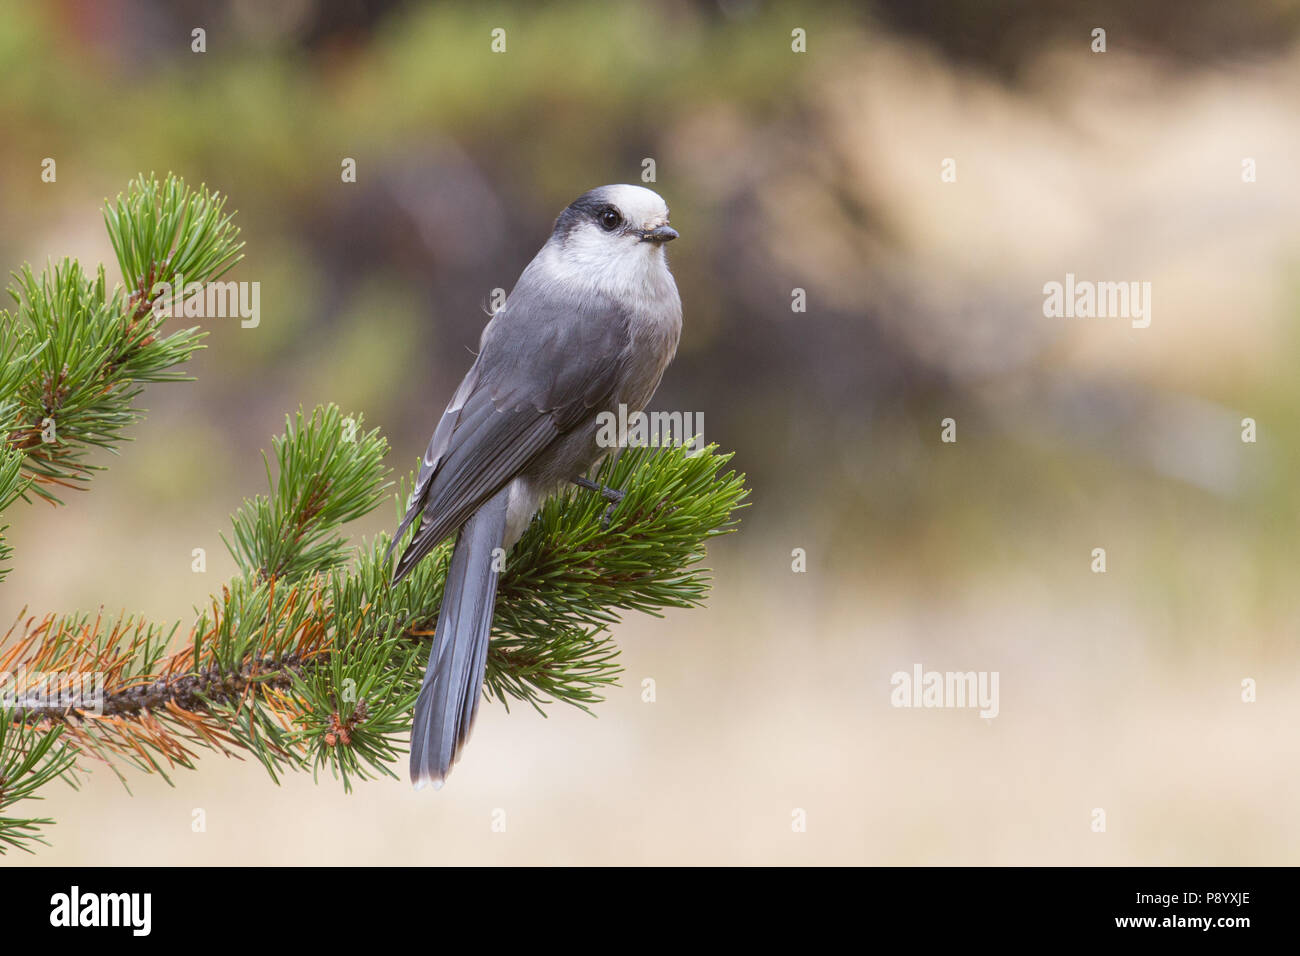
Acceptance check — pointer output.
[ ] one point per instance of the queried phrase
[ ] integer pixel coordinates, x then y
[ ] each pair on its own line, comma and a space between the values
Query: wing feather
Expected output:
540, 371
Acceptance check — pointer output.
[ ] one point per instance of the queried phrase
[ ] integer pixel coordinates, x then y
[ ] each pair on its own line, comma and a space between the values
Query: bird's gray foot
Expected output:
612, 495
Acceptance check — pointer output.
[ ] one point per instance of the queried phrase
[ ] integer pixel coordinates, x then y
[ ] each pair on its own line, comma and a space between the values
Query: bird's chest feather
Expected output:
653, 333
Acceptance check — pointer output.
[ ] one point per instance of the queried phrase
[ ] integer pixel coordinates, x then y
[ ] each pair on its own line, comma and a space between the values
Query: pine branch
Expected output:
316, 663
76, 354
293, 533
73, 357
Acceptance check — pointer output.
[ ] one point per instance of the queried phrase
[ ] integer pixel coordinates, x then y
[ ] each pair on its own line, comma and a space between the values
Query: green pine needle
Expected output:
29, 759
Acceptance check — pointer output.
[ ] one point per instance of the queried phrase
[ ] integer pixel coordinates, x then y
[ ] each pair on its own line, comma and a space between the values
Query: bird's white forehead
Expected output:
637, 204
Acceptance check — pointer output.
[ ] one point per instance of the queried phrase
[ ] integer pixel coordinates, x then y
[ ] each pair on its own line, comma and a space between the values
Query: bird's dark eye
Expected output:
610, 219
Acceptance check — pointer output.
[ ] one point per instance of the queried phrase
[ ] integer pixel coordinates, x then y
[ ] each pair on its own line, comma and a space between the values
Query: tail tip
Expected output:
427, 779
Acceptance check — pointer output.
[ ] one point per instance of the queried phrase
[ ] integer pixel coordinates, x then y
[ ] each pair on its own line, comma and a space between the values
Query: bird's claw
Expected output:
613, 495
609, 513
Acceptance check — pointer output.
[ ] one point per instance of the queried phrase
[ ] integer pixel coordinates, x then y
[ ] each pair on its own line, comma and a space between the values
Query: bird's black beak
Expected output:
659, 234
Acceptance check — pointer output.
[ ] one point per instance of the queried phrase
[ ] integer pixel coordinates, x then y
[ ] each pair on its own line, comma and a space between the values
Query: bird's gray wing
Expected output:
541, 369
433, 455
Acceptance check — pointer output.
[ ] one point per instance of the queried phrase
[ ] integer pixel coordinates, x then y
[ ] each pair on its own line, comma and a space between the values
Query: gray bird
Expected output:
591, 324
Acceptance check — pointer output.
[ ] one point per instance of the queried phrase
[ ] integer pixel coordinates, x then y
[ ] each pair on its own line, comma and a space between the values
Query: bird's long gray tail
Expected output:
453, 681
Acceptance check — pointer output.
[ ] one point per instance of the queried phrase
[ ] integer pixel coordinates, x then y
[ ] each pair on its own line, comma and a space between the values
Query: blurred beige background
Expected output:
820, 171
